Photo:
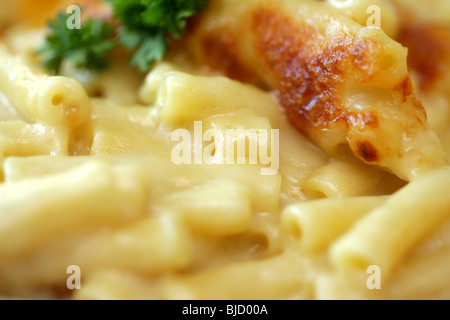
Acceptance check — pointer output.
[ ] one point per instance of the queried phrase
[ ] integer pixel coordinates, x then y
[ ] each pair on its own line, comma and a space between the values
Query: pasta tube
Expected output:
57, 101
315, 224
390, 231
35, 212
219, 208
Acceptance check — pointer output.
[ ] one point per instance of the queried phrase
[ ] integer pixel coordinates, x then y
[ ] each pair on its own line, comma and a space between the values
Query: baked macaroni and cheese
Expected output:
225, 149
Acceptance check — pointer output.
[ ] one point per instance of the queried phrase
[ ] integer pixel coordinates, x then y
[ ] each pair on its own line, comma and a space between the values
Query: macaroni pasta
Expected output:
346, 185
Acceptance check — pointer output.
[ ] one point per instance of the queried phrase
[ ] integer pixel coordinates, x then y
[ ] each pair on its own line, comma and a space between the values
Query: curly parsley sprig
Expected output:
144, 27
87, 48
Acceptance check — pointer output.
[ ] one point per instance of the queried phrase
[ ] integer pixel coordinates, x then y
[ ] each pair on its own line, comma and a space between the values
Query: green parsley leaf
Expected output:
87, 48
151, 49
147, 24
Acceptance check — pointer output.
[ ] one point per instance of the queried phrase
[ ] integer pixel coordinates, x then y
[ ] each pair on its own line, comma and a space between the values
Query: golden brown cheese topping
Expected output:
339, 83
